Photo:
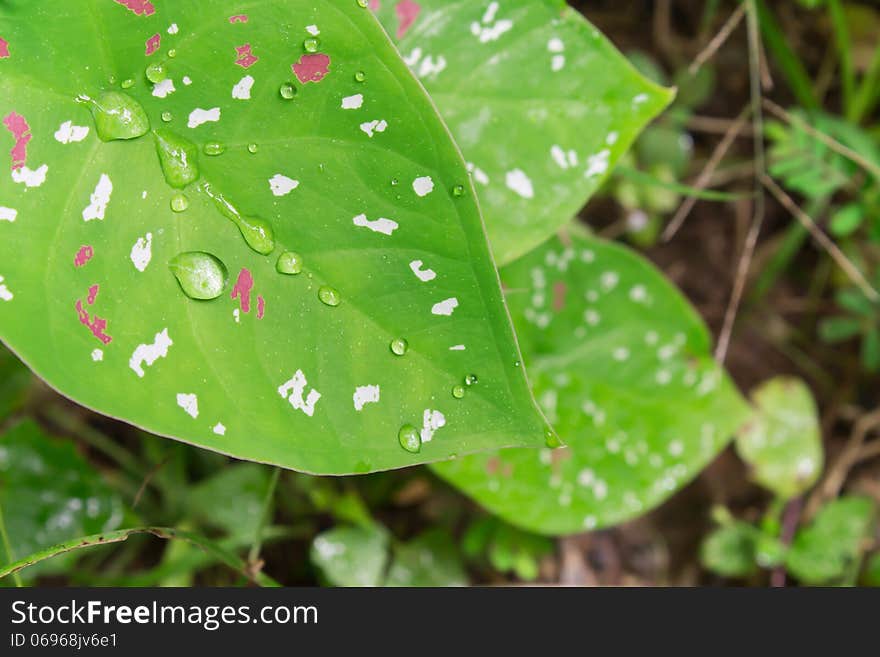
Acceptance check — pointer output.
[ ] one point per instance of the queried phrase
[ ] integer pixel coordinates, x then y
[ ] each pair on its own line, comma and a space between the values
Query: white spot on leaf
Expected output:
372, 127
424, 275
353, 102
431, 422
68, 133
445, 308
99, 199
8, 214
281, 185
142, 252
189, 403
201, 116
384, 226
364, 395
520, 183
294, 392
147, 354
30, 178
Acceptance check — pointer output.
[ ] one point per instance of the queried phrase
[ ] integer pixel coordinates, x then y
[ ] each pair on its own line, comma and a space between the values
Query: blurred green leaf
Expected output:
507, 548
15, 379
871, 576
431, 559
839, 329
731, 550
846, 220
50, 494
622, 366
782, 443
824, 552
352, 556
232, 499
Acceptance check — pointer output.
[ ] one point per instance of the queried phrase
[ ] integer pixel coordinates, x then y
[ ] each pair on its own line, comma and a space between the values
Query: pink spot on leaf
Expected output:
4, 48
238, 18
93, 294
153, 44
261, 307
97, 325
246, 57
139, 7
242, 290
559, 290
407, 13
84, 254
312, 68
21, 132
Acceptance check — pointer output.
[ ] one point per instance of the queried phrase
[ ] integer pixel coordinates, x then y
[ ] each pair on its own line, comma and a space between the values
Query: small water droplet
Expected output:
516, 363
395, 182
289, 263
311, 45
214, 148
458, 191
179, 158
156, 72
287, 91
363, 3
329, 296
253, 148
471, 380
409, 439
360, 76
179, 203
459, 392
128, 83
551, 439
201, 275
172, 53
399, 346
167, 116
258, 234
117, 116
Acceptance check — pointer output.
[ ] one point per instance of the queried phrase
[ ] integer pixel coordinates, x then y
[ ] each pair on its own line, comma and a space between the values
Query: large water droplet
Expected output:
287, 91
201, 275
409, 439
179, 158
399, 346
156, 72
551, 439
311, 44
214, 148
117, 116
179, 203
256, 232
289, 263
329, 296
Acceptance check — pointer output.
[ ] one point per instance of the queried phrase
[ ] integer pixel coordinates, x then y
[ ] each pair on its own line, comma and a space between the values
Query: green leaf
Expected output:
783, 443
871, 576
508, 549
15, 379
831, 545
621, 364
352, 556
213, 373
540, 102
429, 560
839, 329
50, 494
730, 551
232, 499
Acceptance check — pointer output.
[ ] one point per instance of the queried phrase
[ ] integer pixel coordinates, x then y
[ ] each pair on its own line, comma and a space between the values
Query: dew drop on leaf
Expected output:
360, 76
287, 91
471, 380
409, 439
257, 233
459, 392
214, 148
458, 191
551, 439
399, 346
311, 45
202, 276
253, 148
329, 296
179, 203
172, 53
289, 263
127, 83
156, 72
117, 116
179, 158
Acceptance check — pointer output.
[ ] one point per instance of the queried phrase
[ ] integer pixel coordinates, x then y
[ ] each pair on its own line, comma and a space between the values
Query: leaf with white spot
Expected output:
629, 384
782, 443
518, 82
269, 370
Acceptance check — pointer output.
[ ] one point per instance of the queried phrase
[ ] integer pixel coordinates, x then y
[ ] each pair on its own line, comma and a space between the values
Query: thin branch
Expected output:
719, 39
760, 165
853, 272
706, 174
254, 554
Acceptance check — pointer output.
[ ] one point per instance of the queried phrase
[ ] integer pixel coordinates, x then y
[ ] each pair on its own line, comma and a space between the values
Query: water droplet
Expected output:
399, 346
258, 234
516, 363
128, 83
409, 439
471, 380
201, 275
167, 116
360, 76
172, 53
179, 158
363, 3
117, 116
459, 392
287, 91
179, 203
156, 72
329, 296
551, 439
395, 182
214, 148
253, 148
289, 263
458, 191
311, 45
